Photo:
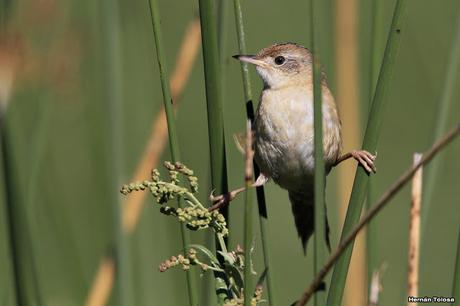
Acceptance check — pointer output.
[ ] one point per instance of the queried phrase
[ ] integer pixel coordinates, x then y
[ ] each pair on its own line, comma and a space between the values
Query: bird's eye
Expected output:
279, 60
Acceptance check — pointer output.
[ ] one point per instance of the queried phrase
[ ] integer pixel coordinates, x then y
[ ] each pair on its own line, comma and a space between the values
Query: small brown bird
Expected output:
283, 128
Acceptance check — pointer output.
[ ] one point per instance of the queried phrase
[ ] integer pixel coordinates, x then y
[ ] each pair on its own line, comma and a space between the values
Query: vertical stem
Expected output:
173, 140
214, 105
263, 219
223, 61
370, 144
248, 213
320, 217
414, 231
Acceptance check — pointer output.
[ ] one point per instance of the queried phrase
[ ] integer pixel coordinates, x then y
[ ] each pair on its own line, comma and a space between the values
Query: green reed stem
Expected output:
456, 282
371, 136
222, 43
320, 213
173, 139
248, 97
214, 106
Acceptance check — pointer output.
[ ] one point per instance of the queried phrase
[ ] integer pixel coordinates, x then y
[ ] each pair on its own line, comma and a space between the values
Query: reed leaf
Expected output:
173, 140
214, 105
371, 136
260, 193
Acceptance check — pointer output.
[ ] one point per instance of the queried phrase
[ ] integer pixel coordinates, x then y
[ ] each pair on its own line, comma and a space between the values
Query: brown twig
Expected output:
384, 199
133, 205
414, 230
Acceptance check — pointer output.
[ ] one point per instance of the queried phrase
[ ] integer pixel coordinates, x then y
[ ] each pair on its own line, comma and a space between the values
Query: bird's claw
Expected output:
223, 199
366, 160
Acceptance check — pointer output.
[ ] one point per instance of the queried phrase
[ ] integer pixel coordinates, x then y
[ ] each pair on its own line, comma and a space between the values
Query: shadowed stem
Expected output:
319, 177
213, 84
384, 200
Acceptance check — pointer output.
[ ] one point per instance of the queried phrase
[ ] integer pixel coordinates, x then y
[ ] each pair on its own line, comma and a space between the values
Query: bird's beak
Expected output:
251, 59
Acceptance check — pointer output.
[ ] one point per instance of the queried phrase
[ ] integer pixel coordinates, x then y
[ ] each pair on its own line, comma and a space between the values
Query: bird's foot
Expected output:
261, 180
366, 160
223, 200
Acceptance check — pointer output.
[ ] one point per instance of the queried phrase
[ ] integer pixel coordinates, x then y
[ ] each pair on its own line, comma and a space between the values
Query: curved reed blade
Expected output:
374, 124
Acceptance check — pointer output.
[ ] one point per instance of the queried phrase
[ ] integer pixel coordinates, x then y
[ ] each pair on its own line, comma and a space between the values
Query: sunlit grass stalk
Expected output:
248, 97
373, 69
111, 29
414, 231
214, 106
173, 140
456, 281
444, 107
319, 236
248, 217
371, 136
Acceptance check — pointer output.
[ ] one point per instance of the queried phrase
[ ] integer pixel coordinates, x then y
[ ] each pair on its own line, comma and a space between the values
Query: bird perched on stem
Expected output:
283, 130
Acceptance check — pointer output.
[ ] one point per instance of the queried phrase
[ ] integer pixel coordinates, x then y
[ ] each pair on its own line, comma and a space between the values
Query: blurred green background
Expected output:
81, 85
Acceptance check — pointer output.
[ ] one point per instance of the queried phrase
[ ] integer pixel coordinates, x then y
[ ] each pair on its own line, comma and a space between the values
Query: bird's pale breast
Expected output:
284, 135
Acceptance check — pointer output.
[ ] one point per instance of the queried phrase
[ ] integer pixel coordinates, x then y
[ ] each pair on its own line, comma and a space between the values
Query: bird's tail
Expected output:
303, 209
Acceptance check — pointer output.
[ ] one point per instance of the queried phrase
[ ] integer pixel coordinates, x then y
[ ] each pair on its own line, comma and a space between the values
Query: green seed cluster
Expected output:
197, 218
240, 301
184, 261
194, 215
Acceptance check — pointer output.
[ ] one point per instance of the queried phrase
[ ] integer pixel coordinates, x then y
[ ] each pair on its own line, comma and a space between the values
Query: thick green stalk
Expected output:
456, 282
213, 95
173, 140
248, 97
319, 237
214, 106
371, 136
444, 108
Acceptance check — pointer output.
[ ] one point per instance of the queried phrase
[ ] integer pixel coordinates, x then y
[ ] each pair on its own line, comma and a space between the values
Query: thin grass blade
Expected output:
247, 87
173, 140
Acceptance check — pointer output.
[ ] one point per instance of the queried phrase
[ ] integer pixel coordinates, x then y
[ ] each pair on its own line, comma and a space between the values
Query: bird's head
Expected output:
282, 65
